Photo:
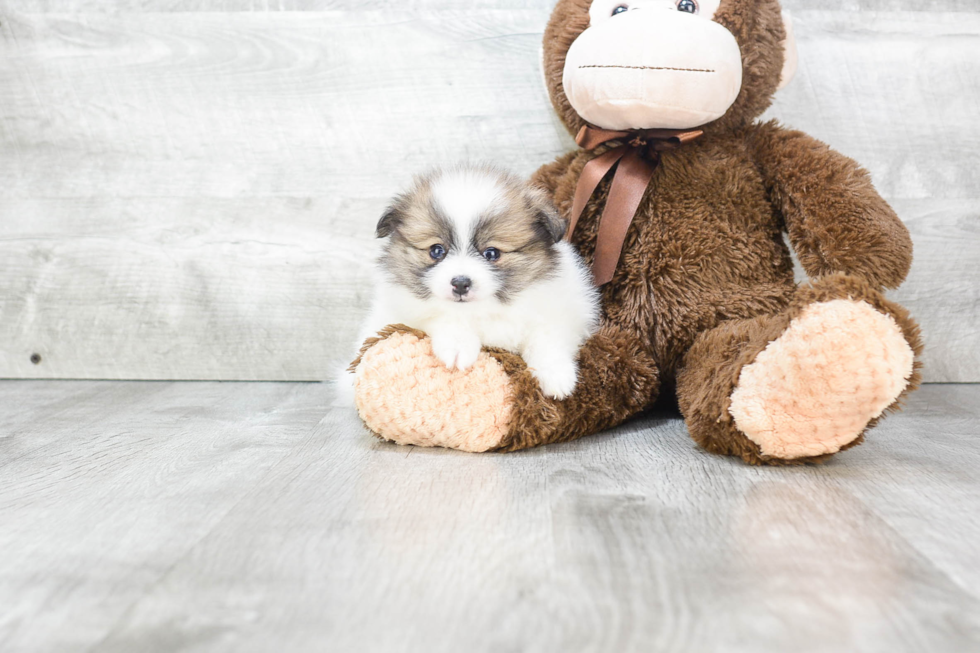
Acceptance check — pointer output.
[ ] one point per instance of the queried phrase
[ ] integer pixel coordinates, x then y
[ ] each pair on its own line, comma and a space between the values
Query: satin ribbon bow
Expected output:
630, 181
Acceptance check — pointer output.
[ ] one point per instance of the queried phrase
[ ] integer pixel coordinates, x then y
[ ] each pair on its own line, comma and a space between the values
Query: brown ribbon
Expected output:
629, 183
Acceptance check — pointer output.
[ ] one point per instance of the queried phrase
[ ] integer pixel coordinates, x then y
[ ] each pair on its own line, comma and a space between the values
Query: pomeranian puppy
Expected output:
475, 257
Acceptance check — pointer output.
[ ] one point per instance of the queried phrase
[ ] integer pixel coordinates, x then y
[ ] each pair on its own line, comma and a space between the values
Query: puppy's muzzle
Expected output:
461, 286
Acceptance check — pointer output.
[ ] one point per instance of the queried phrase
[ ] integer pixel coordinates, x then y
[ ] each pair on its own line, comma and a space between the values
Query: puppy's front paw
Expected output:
557, 378
458, 351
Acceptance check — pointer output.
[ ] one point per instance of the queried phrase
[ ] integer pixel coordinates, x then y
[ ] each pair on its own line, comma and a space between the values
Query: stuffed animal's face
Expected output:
674, 64
652, 63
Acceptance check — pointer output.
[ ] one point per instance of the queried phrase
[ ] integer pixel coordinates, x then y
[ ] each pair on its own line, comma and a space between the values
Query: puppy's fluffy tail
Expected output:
343, 388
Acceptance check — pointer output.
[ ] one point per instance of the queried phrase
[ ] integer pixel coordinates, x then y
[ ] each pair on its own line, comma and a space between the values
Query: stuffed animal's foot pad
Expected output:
405, 394
814, 389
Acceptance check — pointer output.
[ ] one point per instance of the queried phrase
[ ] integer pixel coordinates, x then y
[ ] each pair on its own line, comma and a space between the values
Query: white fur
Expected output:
464, 194
546, 323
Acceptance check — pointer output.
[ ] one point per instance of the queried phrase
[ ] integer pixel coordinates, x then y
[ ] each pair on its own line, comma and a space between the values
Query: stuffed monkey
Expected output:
681, 202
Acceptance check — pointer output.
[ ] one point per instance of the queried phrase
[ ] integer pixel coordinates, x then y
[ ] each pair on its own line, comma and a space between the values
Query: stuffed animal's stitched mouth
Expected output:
680, 70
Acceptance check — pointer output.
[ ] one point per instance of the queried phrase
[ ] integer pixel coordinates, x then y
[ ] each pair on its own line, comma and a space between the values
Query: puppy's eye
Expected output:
620, 9
491, 254
689, 6
437, 252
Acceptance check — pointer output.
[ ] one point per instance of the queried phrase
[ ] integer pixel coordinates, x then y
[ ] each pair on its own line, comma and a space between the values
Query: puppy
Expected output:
474, 257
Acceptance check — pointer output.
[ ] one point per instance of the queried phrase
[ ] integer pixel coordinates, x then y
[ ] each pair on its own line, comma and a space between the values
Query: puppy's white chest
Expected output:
503, 330
491, 325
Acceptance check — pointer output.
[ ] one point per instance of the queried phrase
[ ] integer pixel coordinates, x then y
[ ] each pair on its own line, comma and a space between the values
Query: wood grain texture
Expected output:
190, 186
943, 289
153, 6
185, 288
114, 483
227, 517
265, 6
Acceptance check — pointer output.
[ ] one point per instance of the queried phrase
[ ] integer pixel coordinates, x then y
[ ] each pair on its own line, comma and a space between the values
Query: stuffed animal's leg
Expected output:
405, 394
803, 384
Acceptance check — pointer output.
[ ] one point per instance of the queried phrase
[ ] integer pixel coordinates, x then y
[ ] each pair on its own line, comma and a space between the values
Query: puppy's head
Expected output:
470, 234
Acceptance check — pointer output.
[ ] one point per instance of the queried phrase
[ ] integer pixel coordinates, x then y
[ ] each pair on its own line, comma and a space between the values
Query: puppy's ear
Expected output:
547, 221
550, 222
390, 221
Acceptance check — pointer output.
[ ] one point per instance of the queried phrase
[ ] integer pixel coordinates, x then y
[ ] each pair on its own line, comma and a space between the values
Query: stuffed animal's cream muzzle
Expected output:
653, 69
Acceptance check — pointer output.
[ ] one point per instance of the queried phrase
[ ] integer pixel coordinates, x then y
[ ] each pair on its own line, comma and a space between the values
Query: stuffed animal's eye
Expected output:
690, 6
620, 9
491, 253
437, 252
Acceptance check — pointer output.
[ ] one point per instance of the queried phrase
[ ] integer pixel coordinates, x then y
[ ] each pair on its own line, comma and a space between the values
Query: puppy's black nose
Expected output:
461, 285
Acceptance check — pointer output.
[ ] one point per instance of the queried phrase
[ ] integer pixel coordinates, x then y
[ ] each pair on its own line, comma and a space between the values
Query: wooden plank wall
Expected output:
190, 186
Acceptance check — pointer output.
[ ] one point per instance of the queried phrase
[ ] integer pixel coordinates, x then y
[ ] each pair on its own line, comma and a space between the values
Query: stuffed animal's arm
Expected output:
836, 220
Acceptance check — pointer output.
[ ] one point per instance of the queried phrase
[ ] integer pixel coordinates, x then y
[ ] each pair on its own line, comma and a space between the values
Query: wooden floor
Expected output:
142, 517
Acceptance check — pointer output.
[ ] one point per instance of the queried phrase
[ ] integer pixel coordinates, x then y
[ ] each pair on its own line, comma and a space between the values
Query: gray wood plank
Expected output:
65, 409
264, 6
223, 518
152, 227
120, 6
943, 288
924, 6
896, 91
190, 188
98, 510
334, 104
182, 289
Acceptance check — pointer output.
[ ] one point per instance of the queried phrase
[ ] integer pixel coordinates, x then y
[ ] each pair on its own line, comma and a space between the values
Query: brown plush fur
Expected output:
712, 366
705, 260
617, 379
705, 281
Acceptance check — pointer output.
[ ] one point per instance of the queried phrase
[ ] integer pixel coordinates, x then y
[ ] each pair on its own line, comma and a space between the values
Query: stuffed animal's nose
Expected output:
461, 285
